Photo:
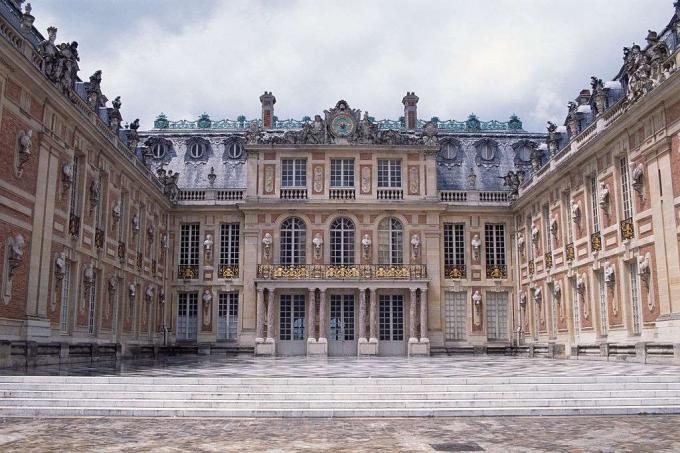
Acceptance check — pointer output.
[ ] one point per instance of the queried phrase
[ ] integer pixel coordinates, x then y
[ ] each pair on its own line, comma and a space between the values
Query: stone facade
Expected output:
337, 234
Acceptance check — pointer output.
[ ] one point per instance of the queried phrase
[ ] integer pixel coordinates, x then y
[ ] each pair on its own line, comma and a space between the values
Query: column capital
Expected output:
260, 289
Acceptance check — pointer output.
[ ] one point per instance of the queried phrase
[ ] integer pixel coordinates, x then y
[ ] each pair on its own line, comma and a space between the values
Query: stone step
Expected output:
306, 381
42, 411
341, 396
358, 388
335, 404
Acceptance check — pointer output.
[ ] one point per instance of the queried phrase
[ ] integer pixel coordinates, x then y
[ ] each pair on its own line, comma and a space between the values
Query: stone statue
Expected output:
366, 246
644, 269
637, 173
67, 176
132, 293
415, 246
581, 283
149, 293
575, 212
254, 133
553, 139
537, 295
115, 116
604, 196
164, 240
609, 275
476, 298
135, 223
94, 91
554, 225
47, 49
25, 146
151, 231
113, 284
599, 96
60, 266
207, 302
476, 244
95, 193
572, 119
133, 135
16, 253
116, 210
514, 180
520, 242
523, 299
557, 290
535, 234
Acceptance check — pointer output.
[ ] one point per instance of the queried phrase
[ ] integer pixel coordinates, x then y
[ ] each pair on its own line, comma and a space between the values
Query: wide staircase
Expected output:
70, 396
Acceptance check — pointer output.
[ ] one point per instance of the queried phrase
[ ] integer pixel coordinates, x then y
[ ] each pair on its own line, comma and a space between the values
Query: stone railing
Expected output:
475, 197
347, 272
342, 193
390, 194
293, 194
210, 196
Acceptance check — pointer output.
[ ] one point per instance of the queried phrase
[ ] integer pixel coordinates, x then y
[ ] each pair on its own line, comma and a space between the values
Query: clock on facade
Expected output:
343, 125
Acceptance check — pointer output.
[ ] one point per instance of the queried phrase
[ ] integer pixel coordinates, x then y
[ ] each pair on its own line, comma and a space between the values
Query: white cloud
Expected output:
493, 58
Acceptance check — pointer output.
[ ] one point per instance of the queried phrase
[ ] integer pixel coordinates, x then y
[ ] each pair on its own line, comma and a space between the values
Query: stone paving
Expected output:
527, 434
449, 366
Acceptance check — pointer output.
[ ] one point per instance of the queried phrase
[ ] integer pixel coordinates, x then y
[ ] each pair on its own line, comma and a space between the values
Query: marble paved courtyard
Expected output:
653, 433
445, 366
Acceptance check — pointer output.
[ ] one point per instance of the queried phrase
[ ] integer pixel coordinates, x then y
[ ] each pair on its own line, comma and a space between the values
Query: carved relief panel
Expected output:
413, 180
269, 179
318, 179
366, 176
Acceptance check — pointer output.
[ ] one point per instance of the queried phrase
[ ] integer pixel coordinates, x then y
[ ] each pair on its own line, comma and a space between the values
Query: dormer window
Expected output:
197, 150
524, 153
449, 151
486, 151
158, 150
234, 150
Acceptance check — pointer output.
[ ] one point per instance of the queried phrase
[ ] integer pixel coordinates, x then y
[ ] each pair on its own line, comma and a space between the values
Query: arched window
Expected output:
449, 150
390, 241
196, 150
342, 241
158, 150
486, 150
293, 240
234, 149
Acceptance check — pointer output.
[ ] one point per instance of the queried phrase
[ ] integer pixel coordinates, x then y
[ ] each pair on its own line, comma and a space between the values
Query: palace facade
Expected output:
336, 234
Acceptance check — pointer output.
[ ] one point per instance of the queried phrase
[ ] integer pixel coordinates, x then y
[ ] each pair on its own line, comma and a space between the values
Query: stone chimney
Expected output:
268, 100
410, 102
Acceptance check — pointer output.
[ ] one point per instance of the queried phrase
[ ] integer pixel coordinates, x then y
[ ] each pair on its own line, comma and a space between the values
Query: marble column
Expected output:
259, 327
311, 314
423, 316
362, 314
270, 315
412, 317
322, 315
373, 316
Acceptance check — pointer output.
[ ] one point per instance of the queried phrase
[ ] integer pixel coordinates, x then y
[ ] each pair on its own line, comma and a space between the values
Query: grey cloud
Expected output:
493, 58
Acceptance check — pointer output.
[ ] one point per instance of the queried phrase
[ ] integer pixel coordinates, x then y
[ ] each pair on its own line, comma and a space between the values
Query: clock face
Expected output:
342, 125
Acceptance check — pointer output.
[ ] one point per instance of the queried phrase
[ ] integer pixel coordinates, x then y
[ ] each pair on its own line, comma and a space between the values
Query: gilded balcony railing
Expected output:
187, 272
596, 242
627, 229
345, 272
454, 271
228, 271
497, 271
571, 253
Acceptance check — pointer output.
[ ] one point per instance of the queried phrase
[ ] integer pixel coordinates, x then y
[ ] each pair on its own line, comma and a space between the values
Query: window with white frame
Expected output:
603, 303
227, 315
293, 172
594, 205
342, 173
456, 315
197, 150
635, 298
187, 316
189, 244
494, 234
389, 173
566, 204
293, 241
92, 304
73, 200
390, 241
546, 229
454, 244
625, 188
229, 244
342, 241
65, 295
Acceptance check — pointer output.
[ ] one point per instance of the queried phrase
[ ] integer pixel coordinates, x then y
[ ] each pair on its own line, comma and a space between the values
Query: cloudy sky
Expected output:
490, 57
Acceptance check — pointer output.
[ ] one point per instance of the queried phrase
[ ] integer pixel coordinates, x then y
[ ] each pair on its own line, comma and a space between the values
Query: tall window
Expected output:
342, 241
454, 244
293, 172
603, 303
65, 295
566, 214
342, 173
187, 316
99, 221
229, 244
293, 240
122, 222
188, 244
635, 297
546, 228
625, 189
292, 317
576, 310
497, 316
227, 314
529, 248
391, 317
73, 202
456, 315
92, 304
390, 241
389, 173
594, 205
494, 234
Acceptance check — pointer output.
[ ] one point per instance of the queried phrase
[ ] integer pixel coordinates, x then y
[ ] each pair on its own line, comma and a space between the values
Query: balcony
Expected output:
390, 194
293, 194
210, 196
350, 272
454, 271
228, 271
187, 271
475, 198
342, 193
74, 225
497, 271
